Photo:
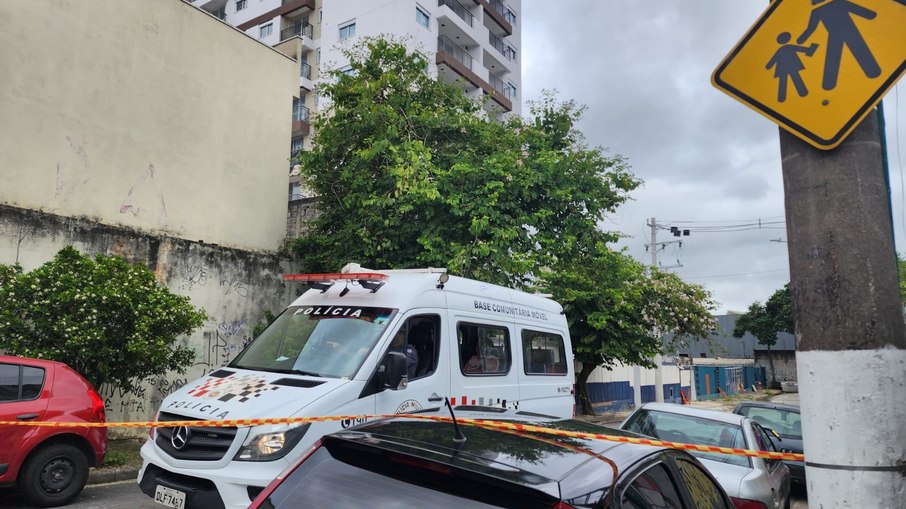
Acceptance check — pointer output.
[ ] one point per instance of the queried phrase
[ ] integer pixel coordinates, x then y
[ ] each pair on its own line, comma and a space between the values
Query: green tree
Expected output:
109, 320
411, 173
620, 310
765, 321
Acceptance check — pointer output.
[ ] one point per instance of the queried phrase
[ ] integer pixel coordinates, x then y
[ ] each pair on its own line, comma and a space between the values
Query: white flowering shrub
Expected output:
108, 319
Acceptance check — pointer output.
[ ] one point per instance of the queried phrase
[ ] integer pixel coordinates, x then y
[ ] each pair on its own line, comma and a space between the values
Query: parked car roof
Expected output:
714, 415
504, 468
497, 454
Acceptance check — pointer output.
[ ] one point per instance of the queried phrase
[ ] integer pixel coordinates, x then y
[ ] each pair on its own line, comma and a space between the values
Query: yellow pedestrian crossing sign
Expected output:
818, 67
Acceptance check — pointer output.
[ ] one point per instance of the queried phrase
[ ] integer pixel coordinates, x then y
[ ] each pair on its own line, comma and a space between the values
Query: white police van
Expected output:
360, 342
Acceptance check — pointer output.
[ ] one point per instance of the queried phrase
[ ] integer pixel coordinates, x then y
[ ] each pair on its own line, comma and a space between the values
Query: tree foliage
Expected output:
410, 173
109, 320
765, 321
901, 275
620, 310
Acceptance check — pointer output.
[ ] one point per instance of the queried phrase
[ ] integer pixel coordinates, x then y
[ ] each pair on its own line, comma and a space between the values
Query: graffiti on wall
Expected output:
192, 276
223, 344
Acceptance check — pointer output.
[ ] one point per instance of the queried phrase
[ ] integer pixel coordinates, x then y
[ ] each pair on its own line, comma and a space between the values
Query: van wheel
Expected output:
54, 475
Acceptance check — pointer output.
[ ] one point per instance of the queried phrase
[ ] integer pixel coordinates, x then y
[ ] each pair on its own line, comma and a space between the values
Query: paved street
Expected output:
118, 495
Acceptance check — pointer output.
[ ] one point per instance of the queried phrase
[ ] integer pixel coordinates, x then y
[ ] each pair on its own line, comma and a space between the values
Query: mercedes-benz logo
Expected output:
180, 437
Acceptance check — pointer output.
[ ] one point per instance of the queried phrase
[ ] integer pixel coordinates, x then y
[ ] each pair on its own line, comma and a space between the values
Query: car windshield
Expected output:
691, 430
327, 341
786, 423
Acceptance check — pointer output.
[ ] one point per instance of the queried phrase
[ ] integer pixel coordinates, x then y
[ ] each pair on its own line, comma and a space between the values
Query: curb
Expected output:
109, 475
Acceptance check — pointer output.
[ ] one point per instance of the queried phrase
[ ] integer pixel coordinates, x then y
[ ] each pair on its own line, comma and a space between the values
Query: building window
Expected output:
483, 349
545, 353
296, 146
240, 4
295, 191
422, 17
511, 90
265, 30
347, 30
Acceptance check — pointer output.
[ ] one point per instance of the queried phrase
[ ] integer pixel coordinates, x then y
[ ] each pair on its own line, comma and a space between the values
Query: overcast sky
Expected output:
643, 67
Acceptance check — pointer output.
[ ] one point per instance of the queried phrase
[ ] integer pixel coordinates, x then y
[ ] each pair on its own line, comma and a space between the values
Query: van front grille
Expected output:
193, 443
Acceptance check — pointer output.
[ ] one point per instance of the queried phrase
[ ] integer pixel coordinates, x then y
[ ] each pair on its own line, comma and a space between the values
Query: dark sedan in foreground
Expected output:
409, 462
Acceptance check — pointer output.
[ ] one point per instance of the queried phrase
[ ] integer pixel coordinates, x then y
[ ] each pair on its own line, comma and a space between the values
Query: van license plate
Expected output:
170, 497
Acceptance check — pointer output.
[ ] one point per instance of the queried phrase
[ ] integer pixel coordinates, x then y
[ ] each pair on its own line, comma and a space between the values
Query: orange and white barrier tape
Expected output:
488, 423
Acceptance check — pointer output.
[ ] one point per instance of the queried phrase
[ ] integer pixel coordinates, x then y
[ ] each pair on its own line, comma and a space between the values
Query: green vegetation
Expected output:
765, 321
411, 173
107, 319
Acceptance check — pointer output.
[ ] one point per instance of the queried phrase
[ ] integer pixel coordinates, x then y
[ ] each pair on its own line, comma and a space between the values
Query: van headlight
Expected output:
272, 443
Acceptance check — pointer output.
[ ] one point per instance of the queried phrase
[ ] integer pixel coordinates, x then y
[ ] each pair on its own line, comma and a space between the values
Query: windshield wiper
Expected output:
296, 372
284, 371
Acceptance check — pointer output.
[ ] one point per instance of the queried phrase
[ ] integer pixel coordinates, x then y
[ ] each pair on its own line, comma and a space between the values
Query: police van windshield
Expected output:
327, 341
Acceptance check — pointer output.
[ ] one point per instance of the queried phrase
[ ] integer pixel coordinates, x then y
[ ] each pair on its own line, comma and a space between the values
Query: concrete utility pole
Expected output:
658, 360
851, 355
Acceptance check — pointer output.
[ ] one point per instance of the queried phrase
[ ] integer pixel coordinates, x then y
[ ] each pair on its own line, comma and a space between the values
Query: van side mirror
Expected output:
392, 371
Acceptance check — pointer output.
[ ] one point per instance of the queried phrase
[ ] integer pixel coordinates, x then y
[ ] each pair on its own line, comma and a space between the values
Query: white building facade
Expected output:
475, 44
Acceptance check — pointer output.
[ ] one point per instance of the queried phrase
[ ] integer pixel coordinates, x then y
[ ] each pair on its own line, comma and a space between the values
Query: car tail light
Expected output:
259, 500
562, 505
744, 503
98, 410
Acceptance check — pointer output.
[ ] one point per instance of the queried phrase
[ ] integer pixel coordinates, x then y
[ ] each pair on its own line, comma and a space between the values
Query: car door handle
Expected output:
434, 397
27, 417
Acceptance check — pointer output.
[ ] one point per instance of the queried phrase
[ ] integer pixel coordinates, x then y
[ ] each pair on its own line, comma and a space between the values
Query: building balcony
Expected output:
448, 47
460, 10
301, 121
299, 29
492, 10
454, 65
289, 8
305, 80
502, 47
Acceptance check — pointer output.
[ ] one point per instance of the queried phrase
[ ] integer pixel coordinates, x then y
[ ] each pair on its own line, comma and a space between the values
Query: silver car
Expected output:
750, 482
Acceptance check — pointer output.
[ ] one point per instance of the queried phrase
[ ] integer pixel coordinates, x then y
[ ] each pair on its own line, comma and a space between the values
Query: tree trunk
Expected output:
582, 388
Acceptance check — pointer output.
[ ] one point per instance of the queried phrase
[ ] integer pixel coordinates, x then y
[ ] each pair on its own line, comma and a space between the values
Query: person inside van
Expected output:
479, 363
474, 364
399, 344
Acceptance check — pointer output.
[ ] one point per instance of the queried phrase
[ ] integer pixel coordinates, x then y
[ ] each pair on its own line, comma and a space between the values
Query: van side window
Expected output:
545, 353
484, 349
420, 337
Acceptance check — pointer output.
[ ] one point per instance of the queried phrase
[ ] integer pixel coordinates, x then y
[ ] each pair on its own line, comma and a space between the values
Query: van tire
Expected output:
54, 475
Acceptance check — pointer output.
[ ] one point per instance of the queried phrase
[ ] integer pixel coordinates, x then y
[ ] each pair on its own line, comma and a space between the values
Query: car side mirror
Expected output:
392, 371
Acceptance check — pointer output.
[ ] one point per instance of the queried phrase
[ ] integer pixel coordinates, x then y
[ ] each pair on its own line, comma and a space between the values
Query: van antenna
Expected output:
458, 438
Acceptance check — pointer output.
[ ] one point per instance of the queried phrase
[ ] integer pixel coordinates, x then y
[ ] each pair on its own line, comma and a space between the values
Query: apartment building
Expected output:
474, 44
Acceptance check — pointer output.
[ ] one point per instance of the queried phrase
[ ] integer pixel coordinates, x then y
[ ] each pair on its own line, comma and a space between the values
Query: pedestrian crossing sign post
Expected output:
818, 67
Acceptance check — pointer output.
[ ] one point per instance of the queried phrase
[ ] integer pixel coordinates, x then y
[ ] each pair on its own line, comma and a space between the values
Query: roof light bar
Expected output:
369, 280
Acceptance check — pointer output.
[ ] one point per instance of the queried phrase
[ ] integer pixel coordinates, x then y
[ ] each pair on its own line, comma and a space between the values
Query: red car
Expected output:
49, 465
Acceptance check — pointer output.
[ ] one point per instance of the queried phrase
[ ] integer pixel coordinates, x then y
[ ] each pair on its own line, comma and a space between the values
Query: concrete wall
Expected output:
234, 287
301, 213
154, 117
613, 389
784, 362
